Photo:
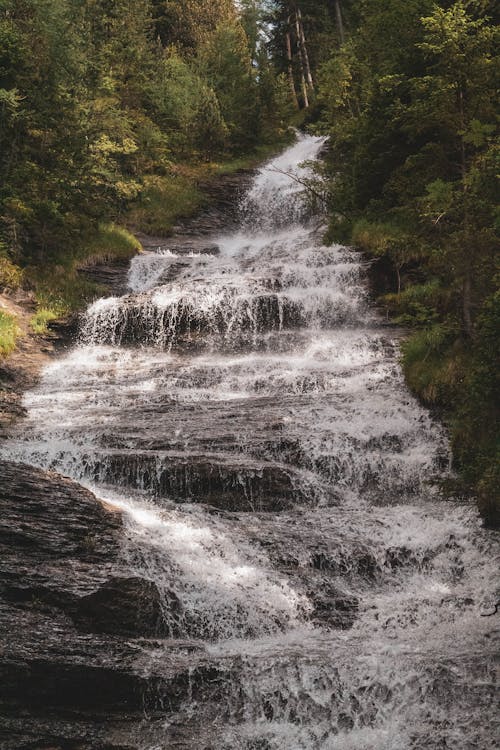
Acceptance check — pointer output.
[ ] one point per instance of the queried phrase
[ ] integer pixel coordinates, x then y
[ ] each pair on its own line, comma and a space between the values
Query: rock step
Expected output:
66, 670
140, 320
228, 482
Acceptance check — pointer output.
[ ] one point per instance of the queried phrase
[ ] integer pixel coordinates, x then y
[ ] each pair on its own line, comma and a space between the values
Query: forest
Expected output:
113, 111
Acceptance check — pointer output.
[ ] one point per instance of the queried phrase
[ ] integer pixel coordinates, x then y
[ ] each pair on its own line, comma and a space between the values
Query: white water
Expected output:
259, 380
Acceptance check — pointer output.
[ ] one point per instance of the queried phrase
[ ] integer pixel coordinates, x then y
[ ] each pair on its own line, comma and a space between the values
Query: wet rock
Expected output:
51, 518
140, 318
194, 247
332, 608
363, 564
48, 666
226, 482
110, 275
69, 677
221, 213
52, 674
126, 606
65, 329
11, 408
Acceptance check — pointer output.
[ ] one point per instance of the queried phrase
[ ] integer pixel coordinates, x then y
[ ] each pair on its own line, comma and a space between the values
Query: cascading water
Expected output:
337, 598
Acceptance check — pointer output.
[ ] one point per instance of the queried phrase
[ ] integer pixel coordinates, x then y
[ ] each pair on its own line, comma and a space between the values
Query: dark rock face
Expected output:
222, 211
77, 629
332, 608
124, 606
225, 482
139, 319
53, 518
111, 276
69, 678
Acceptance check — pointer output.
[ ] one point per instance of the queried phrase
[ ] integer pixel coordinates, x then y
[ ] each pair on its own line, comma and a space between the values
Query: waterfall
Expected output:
246, 410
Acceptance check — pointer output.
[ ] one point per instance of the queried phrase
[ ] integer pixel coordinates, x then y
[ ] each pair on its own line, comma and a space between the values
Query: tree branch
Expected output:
299, 181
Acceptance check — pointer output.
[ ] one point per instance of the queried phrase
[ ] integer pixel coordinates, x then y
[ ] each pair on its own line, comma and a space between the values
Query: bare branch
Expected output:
300, 181
438, 219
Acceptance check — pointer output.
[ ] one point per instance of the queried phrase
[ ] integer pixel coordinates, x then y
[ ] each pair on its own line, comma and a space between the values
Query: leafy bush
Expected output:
416, 305
11, 276
432, 364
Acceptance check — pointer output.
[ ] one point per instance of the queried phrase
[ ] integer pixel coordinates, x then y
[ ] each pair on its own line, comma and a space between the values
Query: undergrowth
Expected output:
11, 276
9, 331
164, 200
460, 378
60, 289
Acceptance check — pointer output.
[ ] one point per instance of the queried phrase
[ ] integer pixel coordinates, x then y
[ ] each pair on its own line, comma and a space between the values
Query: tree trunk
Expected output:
303, 48
290, 69
467, 237
466, 304
340, 22
305, 95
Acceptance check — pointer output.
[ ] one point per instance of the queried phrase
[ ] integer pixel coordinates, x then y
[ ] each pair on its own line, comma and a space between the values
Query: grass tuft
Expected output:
39, 321
376, 238
61, 290
110, 242
9, 332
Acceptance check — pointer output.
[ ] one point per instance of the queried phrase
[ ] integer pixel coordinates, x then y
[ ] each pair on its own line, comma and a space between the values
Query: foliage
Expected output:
98, 102
415, 306
409, 104
225, 62
11, 276
39, 321
9, 331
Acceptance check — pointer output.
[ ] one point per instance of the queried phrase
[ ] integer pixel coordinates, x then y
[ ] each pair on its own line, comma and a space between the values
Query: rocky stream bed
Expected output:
220, 518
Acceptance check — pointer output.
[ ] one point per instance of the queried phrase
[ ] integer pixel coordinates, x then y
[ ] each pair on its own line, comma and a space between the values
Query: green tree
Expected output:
224, 61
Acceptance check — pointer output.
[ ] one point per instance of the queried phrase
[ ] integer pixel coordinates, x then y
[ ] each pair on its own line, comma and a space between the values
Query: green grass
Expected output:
60, 289
110, 242
39, 321
163, 201
9, 331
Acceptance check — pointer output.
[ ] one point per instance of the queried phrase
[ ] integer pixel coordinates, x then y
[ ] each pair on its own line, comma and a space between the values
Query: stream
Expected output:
244, 406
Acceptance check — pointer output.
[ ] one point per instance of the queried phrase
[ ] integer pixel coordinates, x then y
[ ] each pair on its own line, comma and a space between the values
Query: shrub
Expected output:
11, 275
